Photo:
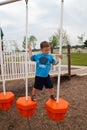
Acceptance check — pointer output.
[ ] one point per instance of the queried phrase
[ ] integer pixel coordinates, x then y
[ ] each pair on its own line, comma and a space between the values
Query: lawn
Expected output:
79, 59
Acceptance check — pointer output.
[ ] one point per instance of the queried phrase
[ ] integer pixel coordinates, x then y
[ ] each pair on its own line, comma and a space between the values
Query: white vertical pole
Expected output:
2, 67
26, 49
60, 49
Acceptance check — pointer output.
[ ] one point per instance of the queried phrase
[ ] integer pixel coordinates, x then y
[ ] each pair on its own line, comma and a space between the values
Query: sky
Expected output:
44, 19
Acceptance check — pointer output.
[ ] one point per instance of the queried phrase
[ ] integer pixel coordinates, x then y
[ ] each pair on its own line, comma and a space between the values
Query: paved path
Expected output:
75, 70
81, 70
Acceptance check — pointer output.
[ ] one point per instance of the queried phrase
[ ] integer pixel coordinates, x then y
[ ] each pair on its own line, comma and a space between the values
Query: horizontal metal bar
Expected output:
8, 2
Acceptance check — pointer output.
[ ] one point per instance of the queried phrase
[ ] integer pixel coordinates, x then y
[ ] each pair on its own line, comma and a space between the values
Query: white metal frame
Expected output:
8, 2
60, 49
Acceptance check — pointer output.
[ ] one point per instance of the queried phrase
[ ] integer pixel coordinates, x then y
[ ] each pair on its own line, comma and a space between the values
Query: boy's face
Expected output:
45, 50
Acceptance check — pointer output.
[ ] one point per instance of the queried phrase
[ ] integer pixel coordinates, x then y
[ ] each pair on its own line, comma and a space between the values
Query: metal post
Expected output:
69, 62
60, 49
2, 65
26, 49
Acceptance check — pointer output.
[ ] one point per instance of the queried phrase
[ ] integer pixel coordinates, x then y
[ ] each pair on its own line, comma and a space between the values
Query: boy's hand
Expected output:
57, 63
30, 50
61, 56
29, 47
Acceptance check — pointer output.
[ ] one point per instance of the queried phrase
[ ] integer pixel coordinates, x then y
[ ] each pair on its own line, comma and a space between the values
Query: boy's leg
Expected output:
34, 94
49, 84
38, 85
34, 91
51, 91
52, 96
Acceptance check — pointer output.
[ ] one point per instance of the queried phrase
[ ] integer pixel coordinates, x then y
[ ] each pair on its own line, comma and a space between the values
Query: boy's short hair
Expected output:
44, 44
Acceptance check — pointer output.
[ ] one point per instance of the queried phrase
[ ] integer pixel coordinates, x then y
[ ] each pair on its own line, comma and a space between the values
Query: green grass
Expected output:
79, 59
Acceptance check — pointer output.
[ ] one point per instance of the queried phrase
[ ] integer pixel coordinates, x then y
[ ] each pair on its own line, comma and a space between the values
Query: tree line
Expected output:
54, 41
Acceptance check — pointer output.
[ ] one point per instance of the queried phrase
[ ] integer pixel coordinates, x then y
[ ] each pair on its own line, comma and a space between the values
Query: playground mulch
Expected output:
74, 91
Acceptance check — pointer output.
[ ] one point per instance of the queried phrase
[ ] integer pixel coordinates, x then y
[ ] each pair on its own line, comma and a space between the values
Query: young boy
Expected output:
43, 65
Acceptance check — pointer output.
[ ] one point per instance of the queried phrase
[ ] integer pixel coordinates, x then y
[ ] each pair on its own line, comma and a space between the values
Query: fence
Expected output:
14, 66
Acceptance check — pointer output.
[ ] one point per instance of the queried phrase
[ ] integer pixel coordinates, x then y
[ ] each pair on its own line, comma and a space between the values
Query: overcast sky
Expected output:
44, 19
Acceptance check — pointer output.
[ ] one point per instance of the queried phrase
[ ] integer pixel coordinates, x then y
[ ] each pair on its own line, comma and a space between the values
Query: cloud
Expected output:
75, 18
44, 19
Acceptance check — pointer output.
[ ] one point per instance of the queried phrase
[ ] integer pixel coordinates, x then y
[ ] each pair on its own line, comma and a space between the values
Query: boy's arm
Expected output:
57, 63
30, 50
60, 56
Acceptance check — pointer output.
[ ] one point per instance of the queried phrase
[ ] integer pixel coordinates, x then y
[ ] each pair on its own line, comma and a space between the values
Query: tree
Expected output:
14, 45
85, 43
24, 42
80, 38
32, 41
54, 40
65, 39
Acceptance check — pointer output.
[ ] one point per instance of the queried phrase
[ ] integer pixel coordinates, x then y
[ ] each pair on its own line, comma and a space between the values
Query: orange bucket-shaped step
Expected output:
56, 111
26, 107
6, 100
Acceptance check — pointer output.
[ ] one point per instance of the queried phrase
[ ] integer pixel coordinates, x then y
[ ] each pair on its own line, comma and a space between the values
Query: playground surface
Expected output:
74, 91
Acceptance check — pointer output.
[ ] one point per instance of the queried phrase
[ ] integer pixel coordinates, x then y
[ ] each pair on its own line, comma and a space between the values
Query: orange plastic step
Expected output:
26, 107
6, 100
56, 111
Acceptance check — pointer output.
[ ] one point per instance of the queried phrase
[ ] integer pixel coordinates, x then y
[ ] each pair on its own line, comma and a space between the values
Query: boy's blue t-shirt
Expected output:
43, 63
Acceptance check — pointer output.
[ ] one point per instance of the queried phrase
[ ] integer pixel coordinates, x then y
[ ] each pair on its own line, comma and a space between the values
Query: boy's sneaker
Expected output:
53, 97
33, 97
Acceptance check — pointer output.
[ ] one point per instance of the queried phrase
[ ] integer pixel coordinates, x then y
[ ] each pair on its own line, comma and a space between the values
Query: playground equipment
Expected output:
26, 107
8, 2
6, 98
56, 110
24, 104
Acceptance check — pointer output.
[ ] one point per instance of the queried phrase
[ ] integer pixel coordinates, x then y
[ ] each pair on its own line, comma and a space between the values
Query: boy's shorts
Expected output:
40, 82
